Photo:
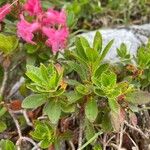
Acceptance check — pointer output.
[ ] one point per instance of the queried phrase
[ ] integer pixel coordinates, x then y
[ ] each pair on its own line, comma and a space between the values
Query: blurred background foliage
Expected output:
93, 14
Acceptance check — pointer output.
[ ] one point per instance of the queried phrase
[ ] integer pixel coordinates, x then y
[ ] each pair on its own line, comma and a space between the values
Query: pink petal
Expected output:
25, 29
55, 17
56, 38
33, 7
4, 10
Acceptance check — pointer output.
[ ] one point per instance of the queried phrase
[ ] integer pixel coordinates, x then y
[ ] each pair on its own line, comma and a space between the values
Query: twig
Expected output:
21, 138
137, 148
71, 145
107, 143
136, 129
42, 117
16, 123
104, 141
35, 147
16, 87
4, 82
114, 146
121, 136
26, 118
91, 140
80, 132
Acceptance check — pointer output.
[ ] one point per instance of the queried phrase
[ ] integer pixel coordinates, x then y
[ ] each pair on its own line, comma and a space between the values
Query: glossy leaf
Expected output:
106, 49
34, 101
3, 126
53, 110
91, 110
97, 44
8, 44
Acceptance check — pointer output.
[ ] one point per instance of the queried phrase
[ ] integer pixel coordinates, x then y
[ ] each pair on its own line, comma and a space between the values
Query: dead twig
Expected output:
121, 136
29, 123
4, 82
21, 138
137, 148
137, 129
27, 118
80, 133
71, 145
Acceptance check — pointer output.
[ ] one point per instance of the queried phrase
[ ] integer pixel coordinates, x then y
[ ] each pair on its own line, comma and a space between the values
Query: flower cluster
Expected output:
4, 10
51, 23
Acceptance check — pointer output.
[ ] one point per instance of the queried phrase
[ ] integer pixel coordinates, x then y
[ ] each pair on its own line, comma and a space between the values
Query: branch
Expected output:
21, 138
80, 132
121, 136
71, 145
137, 148
136, 129
4, 82
27, 118
16, 123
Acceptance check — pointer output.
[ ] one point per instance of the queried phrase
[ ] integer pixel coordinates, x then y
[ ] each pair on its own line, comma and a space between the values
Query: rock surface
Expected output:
133, 37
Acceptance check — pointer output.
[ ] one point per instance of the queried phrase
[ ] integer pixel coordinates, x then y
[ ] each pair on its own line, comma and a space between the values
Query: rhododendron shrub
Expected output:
51, 23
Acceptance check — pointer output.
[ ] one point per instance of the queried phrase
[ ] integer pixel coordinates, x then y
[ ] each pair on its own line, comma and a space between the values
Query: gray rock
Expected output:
133, 37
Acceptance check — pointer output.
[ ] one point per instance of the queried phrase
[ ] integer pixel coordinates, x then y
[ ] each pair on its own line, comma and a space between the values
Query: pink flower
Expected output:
51, 23
33, 7
25, 29
4, 10
55, 17
56, 38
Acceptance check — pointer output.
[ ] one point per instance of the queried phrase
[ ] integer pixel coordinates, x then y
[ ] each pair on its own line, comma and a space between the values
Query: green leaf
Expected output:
114, 106
97, 147
68, 108
53, 110
3, 110
108, 79
139, 97
102, 68
34, 101
99, 92
45, 143
42, 131
77, 68
122, 51
85, 43
34, 74
91, 110
44, 72
91, 54
106, 49
97, 44
79, 49
70, 18
31, 48
115, 120
82, 89
72, 96
106, 122
3, 126
8, 44
35, 78
7, 145
89, 130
